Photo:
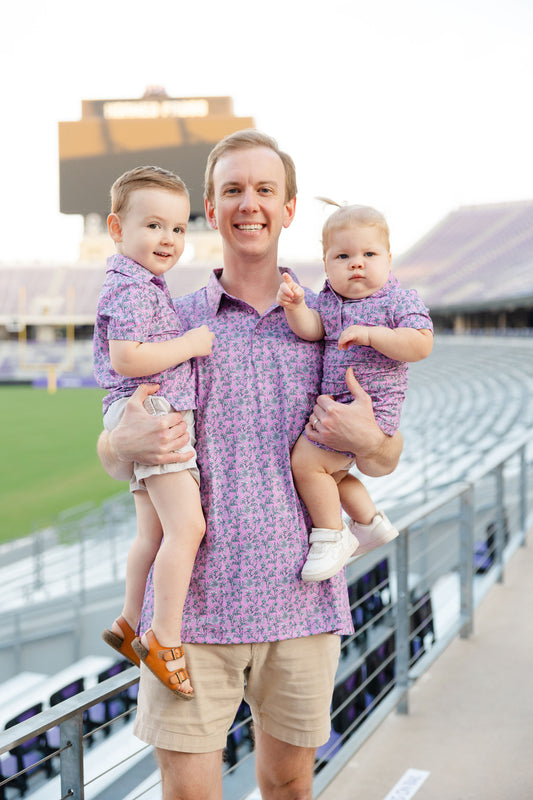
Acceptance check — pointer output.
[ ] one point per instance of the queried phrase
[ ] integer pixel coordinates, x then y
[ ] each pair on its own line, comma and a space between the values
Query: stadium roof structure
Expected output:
478, 258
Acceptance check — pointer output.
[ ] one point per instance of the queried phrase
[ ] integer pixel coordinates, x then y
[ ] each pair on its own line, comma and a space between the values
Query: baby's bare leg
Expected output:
316, 472
356, 500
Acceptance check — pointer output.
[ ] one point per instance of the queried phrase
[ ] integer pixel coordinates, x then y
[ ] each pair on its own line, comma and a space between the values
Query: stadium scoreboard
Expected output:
112, 136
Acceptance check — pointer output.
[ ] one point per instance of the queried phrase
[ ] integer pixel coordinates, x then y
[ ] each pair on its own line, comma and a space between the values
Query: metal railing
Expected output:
409, 600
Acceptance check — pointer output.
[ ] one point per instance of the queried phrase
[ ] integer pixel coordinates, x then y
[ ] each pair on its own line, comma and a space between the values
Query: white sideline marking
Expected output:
408, 785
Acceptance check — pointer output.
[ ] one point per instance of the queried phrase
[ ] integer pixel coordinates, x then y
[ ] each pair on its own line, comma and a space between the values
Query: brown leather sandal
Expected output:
122, 646
155, 659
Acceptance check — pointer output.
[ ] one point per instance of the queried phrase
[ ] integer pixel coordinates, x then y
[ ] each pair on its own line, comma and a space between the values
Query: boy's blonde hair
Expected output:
240, 140
353, 217
143, 178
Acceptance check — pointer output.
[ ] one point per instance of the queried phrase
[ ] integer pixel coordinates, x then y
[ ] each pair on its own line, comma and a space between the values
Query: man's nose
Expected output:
248, 200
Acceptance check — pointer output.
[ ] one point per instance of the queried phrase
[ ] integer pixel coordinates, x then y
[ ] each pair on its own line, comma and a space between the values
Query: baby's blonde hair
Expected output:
143, 178
353, 217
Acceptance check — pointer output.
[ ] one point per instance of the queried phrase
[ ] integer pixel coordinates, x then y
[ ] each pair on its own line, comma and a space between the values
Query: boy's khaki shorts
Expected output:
288, 686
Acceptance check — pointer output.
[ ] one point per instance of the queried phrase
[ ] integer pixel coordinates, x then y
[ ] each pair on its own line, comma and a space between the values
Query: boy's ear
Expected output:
114, 226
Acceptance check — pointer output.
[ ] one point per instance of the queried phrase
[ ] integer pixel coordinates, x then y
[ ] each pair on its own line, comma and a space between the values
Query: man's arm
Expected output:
142, 437
352, 427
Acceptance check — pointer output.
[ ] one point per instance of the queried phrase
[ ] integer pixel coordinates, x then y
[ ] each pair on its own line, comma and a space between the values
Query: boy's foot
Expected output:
158, 659
120, 638
378, 532
329, 552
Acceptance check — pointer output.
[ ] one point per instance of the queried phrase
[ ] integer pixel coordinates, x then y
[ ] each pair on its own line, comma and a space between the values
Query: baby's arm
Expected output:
305, 322
401, 344
137, 359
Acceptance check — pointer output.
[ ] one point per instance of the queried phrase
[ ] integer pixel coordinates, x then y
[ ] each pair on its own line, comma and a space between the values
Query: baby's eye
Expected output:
179, 230
342, 255
153, 225
369, 254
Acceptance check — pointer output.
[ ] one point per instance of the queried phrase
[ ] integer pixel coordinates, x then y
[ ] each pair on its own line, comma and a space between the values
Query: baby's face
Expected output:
357, 261
152, 229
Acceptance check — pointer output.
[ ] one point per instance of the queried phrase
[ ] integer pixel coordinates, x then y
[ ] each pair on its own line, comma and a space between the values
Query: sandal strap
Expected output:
171, 653
180, 676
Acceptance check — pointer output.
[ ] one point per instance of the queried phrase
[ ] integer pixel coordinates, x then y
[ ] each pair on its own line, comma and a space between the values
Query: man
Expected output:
251, 627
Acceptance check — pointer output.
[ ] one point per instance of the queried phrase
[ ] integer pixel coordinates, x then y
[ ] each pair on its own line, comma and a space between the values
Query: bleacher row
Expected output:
61, 293
470, 397
460, 262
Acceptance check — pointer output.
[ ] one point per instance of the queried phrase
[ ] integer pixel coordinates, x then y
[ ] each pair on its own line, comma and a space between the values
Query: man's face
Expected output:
249, 206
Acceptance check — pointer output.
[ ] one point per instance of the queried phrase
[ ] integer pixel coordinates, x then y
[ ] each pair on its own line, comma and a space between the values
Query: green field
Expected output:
49, 460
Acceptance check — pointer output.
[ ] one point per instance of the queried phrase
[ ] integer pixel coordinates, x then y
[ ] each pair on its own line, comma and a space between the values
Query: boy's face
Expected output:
249, 207
151, 230
357, 261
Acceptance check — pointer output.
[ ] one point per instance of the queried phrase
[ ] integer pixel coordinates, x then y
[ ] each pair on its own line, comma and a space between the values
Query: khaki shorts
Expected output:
288, 686
113, 416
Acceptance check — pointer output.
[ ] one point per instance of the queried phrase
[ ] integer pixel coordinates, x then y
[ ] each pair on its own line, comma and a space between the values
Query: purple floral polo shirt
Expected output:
384, 379
255, 393
135, 305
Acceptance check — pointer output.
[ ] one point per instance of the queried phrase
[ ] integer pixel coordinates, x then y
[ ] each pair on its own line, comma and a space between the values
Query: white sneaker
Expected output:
329, 552
378, 532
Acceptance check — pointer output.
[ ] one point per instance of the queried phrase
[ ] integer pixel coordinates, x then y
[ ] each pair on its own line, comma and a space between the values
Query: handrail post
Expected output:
523, 493
500, 522
71, 757
402, 619
466, 562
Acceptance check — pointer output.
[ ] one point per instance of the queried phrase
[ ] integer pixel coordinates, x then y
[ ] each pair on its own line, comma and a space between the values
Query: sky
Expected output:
416, 108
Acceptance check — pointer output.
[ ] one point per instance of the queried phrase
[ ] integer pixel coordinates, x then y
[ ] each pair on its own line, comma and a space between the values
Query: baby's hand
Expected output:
290, 293
201, 340
355, 334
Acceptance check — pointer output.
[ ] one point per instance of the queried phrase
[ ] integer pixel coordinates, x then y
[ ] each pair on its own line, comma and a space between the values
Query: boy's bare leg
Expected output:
190, 776
140, 558
176, 498
284, 771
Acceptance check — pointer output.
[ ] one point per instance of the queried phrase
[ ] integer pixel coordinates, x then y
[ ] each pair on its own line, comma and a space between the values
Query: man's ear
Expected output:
114, 226
289, 212
210, 215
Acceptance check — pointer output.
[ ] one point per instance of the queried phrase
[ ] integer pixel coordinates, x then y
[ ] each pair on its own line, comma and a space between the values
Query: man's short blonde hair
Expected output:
241, 140
353, 217
143, 178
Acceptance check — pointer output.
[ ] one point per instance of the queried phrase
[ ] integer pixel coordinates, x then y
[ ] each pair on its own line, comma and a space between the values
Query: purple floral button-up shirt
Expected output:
135, 305
255, 393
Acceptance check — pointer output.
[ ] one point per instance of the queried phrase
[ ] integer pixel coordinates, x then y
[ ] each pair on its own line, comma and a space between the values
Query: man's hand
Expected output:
352, 427
142, 437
